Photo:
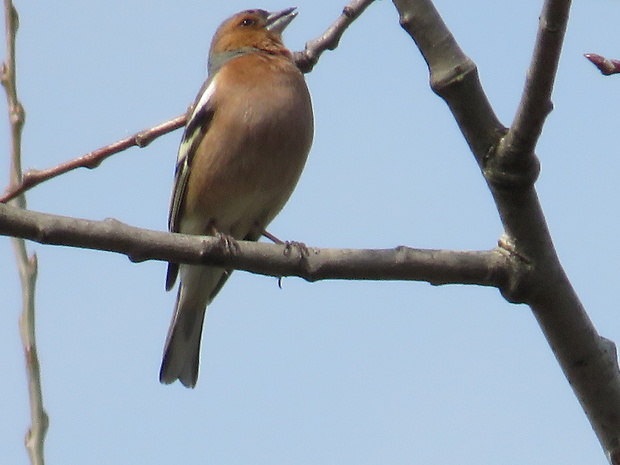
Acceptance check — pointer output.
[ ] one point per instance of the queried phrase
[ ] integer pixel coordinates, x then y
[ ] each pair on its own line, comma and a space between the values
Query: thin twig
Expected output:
93, 159
27, 266
331, 37
305, 61
607, 66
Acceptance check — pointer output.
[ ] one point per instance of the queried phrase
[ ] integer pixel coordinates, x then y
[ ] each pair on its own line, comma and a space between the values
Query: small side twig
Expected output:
331, 37
93, 159
607, 66
27, 265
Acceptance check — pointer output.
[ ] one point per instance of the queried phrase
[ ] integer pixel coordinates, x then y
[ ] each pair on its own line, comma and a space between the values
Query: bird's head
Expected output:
256, 29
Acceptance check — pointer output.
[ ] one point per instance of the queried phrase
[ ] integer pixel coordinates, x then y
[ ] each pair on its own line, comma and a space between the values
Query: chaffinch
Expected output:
244, 147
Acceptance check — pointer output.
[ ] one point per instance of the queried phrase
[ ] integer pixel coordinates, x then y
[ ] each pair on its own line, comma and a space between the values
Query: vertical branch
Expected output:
510, 167
27, 266
520, 141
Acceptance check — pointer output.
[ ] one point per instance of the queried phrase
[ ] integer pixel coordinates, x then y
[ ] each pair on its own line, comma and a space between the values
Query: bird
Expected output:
243, 149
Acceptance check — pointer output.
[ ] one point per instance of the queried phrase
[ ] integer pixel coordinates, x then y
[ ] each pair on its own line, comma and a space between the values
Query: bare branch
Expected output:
536, 104
607, 66
453, 75
588, 360
8, 77
27, 266
330, 39
496, 268
93, 159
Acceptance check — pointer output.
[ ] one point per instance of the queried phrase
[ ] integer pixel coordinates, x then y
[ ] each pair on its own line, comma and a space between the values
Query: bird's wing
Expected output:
197, 125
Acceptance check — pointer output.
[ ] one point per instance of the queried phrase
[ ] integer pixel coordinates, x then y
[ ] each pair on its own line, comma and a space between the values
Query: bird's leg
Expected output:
288, 245
271, 237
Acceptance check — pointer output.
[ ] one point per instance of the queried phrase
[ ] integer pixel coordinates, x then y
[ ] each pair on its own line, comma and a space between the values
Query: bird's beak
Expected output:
277, 22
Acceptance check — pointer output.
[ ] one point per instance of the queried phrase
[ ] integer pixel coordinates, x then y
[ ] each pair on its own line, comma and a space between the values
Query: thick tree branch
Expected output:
510, 167
453, 75
27, 266
497, 268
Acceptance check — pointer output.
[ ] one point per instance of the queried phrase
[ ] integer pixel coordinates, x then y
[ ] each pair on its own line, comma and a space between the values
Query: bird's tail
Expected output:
182, 350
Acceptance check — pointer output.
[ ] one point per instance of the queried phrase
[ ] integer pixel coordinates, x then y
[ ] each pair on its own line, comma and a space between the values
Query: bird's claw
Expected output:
303, 249
228, 243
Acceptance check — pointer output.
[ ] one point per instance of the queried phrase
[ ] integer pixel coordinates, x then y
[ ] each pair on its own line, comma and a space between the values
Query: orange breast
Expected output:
250, 159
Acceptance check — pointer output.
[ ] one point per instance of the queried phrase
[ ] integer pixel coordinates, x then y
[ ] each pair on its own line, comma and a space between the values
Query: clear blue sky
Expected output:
324, 373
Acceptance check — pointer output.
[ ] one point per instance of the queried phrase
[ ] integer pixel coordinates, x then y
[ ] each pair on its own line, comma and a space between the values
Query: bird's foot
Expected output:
228, 243
290, 245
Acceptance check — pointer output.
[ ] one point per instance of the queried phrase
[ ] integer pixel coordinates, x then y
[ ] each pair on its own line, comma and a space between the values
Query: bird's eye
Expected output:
248, 22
